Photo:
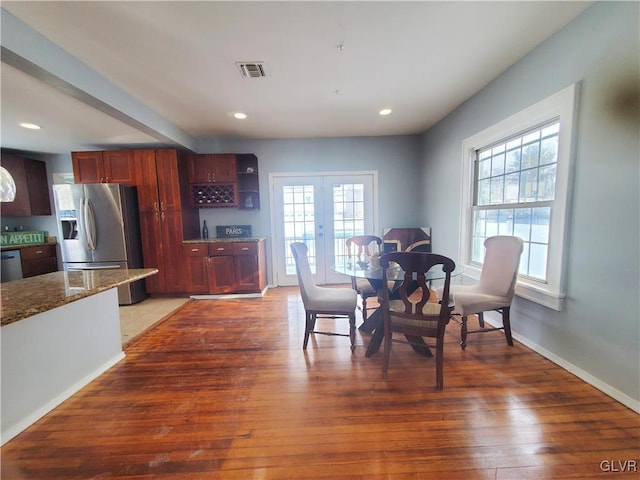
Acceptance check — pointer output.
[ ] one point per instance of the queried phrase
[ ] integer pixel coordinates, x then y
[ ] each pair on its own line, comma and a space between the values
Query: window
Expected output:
516, 182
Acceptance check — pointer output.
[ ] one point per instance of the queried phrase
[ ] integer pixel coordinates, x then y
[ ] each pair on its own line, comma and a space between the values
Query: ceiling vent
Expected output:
252, 69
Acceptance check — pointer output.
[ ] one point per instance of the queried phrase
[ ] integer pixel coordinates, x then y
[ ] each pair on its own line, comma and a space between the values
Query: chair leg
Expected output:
463, 333
481, 319
386, 354
440, 364
352, 331
364, 309
506, 322
310, 323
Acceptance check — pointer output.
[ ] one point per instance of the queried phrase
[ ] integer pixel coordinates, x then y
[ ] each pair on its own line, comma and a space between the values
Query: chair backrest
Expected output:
414, 291
501, 262
360, 245
303, 269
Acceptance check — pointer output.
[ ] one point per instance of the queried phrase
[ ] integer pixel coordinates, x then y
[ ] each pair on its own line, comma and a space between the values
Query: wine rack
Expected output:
214, 195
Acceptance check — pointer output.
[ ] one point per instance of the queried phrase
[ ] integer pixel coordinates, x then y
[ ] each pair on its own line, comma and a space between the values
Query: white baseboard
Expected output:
16, 428
614, 393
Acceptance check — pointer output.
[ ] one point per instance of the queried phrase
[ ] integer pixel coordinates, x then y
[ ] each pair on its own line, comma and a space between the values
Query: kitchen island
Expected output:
59, 332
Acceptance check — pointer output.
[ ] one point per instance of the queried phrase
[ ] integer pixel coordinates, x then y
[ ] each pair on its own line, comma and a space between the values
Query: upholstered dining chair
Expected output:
361, 248
412, 314
325, 301
494, 290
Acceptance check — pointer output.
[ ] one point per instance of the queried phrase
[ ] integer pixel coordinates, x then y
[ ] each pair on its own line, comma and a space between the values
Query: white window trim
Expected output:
561, 105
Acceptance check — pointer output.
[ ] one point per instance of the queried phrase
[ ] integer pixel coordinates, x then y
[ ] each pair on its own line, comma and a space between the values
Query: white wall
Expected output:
598, 333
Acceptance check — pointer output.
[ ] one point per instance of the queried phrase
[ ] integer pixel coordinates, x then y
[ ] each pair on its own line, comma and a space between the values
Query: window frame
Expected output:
561, 106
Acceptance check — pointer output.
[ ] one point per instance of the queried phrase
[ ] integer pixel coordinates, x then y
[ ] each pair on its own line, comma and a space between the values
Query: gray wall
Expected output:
598, 332
396, 158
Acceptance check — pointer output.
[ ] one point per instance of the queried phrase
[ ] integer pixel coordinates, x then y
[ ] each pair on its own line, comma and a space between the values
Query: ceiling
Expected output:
330, 67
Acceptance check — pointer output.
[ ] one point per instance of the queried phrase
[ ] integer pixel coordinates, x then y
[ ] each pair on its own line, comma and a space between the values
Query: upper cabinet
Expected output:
115, 166
32, 188
224, 180
212, 168
212, 180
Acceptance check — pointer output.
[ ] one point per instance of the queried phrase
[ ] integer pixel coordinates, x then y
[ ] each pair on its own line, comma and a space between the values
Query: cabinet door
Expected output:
199, 167
119, 166
247, 273
174, 271
87, 167
38, 186
221, 274
147, 181
224, 168
38, 260
168, 180
152, 250
195, 262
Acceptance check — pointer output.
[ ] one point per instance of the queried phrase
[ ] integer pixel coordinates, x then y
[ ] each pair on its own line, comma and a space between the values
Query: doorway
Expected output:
321, 210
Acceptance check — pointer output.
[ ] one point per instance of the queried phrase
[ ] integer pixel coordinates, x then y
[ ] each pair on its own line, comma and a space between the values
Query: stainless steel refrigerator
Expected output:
98, 228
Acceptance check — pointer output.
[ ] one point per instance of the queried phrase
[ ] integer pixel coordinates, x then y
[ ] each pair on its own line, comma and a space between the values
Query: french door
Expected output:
321, 210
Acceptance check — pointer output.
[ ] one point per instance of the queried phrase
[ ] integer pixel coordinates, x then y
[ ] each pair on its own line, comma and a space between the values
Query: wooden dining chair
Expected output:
412, 314
317, 300
359, 249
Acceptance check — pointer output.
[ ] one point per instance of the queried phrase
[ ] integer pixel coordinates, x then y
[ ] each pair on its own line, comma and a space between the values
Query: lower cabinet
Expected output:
195, 267
225, 267
38, 260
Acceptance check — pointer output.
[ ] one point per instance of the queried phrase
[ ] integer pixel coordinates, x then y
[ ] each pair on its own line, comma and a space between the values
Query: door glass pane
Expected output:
348, 217
299, 222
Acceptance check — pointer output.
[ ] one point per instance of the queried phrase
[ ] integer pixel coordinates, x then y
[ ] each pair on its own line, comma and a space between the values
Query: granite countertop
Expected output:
216, 240
23, 298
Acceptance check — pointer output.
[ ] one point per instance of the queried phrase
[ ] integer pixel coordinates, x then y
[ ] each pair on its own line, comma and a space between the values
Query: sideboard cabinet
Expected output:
237, 266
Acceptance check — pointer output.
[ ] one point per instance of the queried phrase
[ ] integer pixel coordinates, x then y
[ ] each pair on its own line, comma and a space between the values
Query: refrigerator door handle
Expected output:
90, 225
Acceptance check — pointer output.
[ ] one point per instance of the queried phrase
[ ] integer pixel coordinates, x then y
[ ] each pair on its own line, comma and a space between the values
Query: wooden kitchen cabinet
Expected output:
212, 168
32, 187
195, 262
166, 217
231, 267
221, 274
249, 265
213, 181
38, 260
113, 166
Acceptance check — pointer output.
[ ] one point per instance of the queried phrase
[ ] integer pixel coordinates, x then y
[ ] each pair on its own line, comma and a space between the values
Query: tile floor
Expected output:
135, 319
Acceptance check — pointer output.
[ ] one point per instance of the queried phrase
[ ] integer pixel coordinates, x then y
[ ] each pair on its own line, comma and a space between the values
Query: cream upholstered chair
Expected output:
362, 247
412, 314
494, 290
335, 302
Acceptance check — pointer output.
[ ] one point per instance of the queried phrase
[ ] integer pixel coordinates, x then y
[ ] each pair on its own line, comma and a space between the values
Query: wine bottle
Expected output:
205, 230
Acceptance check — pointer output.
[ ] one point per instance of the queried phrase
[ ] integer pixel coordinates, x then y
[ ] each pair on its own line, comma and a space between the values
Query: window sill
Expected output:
538, 293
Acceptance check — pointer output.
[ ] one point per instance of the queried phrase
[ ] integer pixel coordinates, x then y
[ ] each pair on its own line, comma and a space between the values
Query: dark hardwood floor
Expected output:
222, 390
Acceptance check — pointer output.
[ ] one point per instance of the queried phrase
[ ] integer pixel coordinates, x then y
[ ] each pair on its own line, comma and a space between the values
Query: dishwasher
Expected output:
11, 266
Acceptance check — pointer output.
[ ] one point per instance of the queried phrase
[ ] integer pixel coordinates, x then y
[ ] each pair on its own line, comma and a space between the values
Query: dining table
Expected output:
395, 276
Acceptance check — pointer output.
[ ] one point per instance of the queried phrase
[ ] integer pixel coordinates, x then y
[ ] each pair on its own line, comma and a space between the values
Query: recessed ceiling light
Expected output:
31, 126
385, 111
240, 115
